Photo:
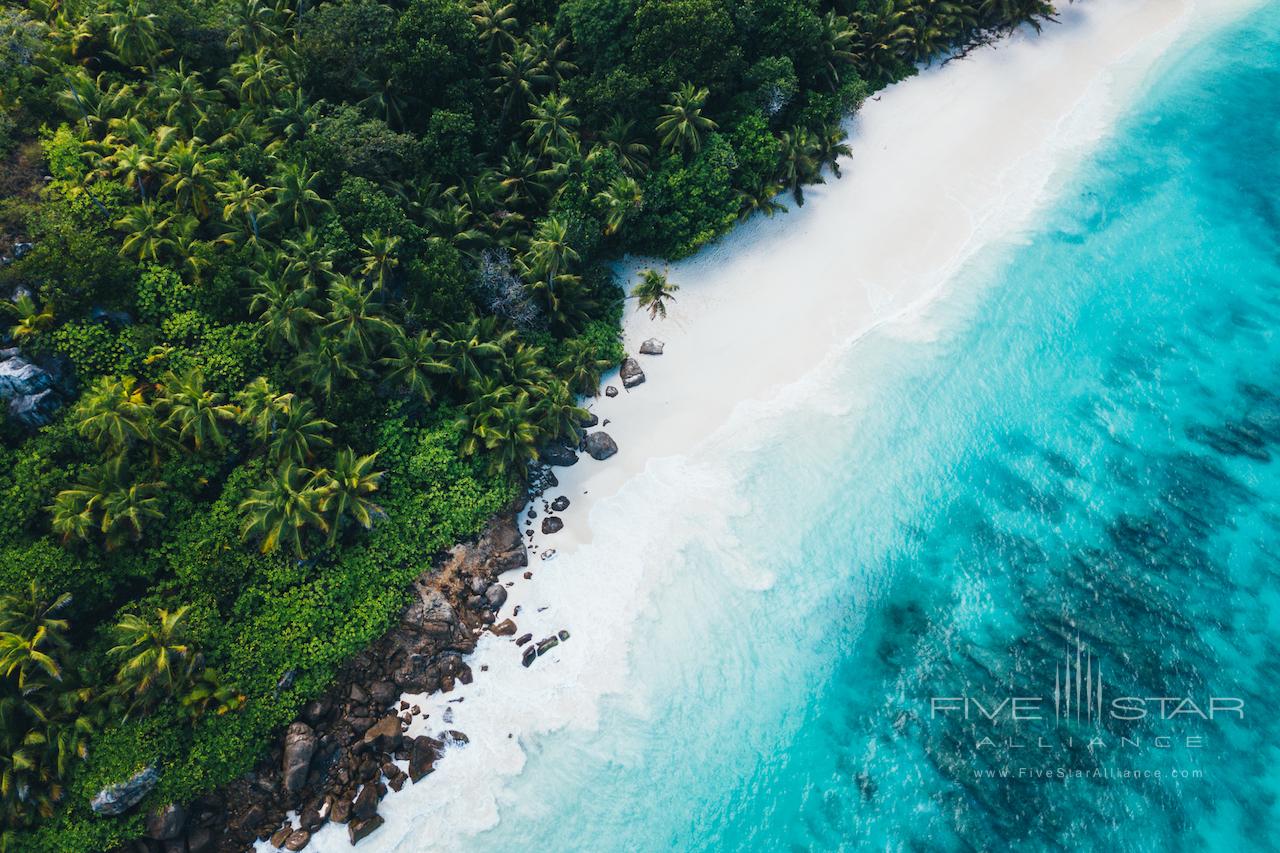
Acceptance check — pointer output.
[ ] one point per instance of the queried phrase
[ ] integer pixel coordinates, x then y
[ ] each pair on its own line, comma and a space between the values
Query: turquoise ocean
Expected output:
1078, 464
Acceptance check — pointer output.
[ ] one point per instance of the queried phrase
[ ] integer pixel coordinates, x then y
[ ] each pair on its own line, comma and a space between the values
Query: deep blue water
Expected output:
1084, 459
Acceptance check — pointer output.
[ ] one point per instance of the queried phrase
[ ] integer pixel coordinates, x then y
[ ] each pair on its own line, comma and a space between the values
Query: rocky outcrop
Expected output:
653, 346
560, 504
610, 391
600, 446
119, 798
558, 454
336, 762
551, 524
630, 373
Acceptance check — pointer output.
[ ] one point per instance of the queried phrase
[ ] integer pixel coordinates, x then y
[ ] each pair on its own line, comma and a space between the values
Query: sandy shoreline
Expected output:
943, 164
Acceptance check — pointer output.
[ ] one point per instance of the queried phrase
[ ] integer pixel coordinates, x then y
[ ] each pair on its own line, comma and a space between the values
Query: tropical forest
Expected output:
294, 294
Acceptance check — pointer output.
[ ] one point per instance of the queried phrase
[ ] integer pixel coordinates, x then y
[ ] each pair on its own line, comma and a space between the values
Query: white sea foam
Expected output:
944, 164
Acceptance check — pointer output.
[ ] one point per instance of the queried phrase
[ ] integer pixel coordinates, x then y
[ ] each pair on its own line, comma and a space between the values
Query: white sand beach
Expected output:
943, 164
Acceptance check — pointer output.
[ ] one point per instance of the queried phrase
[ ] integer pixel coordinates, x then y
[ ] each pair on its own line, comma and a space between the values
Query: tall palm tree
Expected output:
114, 413
502, 422
296, 430
354, 319
620, 138
153, 657
470, 351
107, 503
325, 364
682, 124
242, 197
297, 199
552, 51
581, 366
258, 406
413, 361
195, 413
518, 75
256, 24
762, 198
496, 25
190, 177
653, 293
836, 46
185, 100
379, 256
147, 230
135, 166
346, 491
133, 33
620, 199
801, 161
552, 123
280, 512
551, 252
309, 260
257, 77
284, 311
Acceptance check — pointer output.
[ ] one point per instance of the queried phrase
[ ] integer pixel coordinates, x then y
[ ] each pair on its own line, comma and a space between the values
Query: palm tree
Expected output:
413, 361
256, 25
558, 413
185, 100
470, 351
832, 146
325, 364
836, 47
194, 412
114, 413
296, 198
135, 166
260, 77
105, 502
800, 161
552, 123
550, 252
503, 423
620, 199
190, 176
496, 25
132, 33
310, 260
293, 429
653, 293
31, 319
682, 124
518, 74
242, 197
34, 614
346, 491
209, 693
581, 366
154, 659
284, 311
761, 199
354, 319
551, 50
146, 230
378, 259
280, 512
632, 154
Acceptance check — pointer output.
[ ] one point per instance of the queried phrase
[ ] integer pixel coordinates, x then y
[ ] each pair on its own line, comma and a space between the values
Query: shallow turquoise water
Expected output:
1083, 458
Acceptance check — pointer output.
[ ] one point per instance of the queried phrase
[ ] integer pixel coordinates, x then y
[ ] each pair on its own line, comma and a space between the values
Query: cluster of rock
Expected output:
349, 747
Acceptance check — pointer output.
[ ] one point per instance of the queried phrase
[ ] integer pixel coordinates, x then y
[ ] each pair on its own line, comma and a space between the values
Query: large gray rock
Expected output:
166, 823
299, 746
35, 410
496, 596
21, 378
119, 798
653, 346
600, 445
558, 454
631, 373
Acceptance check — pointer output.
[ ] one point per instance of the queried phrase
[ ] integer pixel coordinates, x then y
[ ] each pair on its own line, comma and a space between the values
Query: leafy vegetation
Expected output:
322, 279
